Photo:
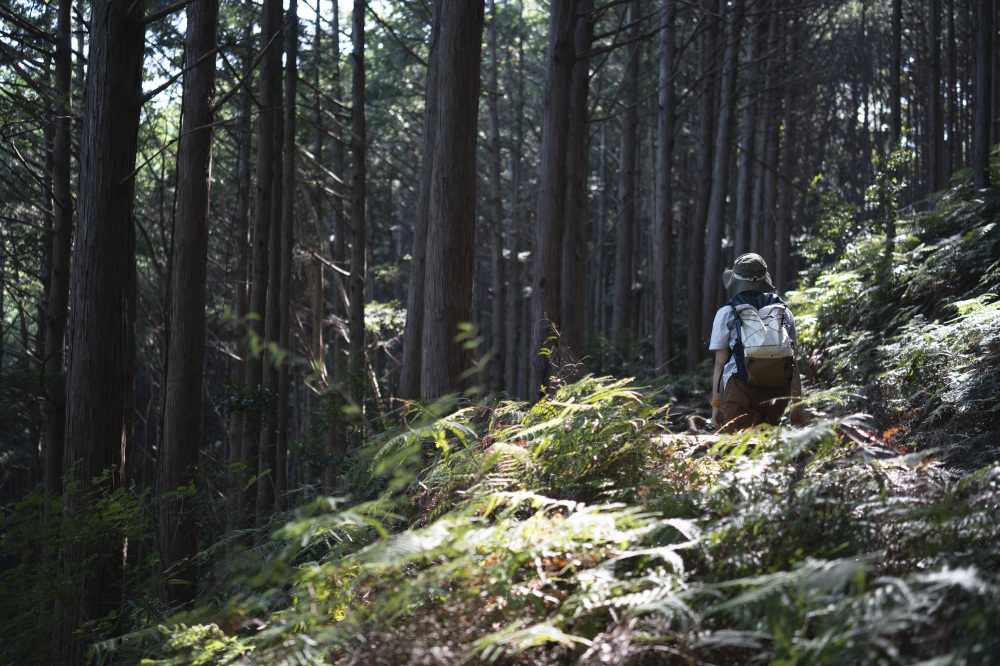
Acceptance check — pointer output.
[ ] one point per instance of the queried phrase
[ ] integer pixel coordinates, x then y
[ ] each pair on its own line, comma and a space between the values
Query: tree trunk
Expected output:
550, 214
696, 235
409, 377
335, 441
574, 258
983, 119
515, 351
452, 213
261, 240
316, 272
182, 394
287, 242
267, 462
101, 369
935, 115
624, 297
954, 146
497, 323
359, 146
746, 158
663, 284
241, 233
895, 78
62, 233
716, 218
598, 310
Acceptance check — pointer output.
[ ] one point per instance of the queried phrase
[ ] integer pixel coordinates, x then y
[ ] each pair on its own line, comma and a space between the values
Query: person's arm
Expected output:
721, 358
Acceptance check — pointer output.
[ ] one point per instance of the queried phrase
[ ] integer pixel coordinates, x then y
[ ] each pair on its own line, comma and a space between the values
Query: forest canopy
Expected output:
339, 301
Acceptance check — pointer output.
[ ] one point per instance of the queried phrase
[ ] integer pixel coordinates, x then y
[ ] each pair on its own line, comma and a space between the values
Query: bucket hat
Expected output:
749, 273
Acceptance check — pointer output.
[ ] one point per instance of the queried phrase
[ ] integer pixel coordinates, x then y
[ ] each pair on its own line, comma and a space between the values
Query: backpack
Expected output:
765, 354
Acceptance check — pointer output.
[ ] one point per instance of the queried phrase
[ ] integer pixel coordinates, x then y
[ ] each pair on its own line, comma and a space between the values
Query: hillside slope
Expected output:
579, 530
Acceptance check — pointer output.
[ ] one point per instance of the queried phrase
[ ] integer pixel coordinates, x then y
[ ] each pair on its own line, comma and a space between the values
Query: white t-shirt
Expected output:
724, 335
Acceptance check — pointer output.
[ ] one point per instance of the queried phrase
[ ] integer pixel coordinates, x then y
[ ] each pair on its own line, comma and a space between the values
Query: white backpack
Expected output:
764, 352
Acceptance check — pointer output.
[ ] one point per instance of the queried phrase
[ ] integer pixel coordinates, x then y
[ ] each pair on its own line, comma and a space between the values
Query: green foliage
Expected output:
38, 576
576, 530
919, 348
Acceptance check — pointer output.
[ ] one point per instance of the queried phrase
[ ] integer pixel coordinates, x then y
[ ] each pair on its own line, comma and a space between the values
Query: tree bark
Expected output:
287, 242
452, 212
409, 377
57, 310
747, 156
983, 119
574, 258
336, 443
895, 78
496, 216
935, 115
624, 297
241, 233
359, 146
716, 218
663, 284
515, 351
696, 235
101, 369
182, 394
550, 214
267, 461
261, 240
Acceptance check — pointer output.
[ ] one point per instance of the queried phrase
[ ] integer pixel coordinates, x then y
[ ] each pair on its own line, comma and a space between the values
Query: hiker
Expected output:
753, 337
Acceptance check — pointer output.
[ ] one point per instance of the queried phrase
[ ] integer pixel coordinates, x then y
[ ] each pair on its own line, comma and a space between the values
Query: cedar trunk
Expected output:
409, 377
663, 284
624, 299
62, 234
545, 289
574, 260
182, 394
452, 205
101, 370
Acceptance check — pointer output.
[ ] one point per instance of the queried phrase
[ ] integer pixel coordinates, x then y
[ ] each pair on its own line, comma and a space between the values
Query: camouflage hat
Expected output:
749, 273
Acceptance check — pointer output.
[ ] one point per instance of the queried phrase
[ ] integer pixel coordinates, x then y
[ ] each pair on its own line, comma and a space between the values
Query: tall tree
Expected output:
336, 438
574, 259
267, 461
183, 402
101, 368
241, 268
550, 214
624, 296
895, 76
935, 112
716, 216
515, 352
287, 242
746, 157
496, 215
708, 85
983, 120
452, 212
269, 91
410, 373
357, 364
62, 233
663, 249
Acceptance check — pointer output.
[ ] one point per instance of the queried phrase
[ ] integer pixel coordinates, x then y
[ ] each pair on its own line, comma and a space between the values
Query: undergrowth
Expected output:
578, 530
917, 341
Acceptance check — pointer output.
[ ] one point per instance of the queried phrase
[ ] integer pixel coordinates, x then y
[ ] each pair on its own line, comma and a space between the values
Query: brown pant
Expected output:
748, 406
